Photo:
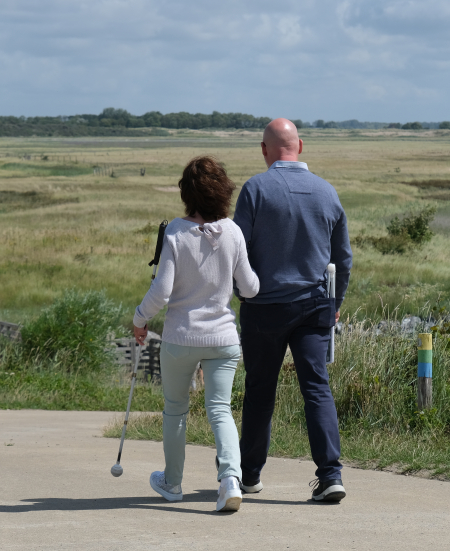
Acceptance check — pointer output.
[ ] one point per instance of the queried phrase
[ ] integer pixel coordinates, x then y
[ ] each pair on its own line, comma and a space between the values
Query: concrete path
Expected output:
56, 493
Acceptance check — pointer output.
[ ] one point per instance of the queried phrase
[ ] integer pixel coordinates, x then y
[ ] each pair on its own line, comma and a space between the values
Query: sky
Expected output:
371, 60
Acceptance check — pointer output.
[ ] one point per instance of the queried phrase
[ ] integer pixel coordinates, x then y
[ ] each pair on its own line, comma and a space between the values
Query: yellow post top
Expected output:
425, 341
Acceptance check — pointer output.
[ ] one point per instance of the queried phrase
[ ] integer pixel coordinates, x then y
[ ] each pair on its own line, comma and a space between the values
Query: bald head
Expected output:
281, 133
280, 142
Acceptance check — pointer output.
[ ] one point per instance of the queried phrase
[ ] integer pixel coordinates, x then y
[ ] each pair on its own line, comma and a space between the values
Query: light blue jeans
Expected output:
178, 365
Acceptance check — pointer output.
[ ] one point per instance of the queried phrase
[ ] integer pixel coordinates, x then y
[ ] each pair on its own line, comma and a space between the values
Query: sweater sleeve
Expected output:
341, 256
244, 213
159, 293
245, 278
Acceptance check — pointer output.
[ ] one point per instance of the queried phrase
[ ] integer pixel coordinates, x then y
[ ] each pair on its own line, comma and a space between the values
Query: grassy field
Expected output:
61, 225
77, 213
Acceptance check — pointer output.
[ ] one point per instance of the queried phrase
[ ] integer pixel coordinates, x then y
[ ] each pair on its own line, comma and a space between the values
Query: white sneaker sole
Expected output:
231, 502
164, 494
333, 493
252, 489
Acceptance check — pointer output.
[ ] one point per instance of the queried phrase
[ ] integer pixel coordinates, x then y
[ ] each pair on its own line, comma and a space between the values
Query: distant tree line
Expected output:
120, 118
119, 122
376, 125
445, 125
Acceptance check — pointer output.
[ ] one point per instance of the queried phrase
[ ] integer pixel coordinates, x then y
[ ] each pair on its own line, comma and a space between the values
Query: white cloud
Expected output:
374, 91
332, 60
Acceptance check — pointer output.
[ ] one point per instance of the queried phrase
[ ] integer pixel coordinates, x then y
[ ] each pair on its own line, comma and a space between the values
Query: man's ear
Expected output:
264, 149
300, 146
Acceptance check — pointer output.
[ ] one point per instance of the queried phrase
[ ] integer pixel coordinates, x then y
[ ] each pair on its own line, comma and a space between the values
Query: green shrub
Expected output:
415, 227
76, 326
403, 234
391, 244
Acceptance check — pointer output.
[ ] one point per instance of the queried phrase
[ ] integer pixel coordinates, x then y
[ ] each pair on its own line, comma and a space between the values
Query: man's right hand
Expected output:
337, 316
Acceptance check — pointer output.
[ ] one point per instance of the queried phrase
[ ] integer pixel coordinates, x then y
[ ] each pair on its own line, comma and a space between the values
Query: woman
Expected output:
201, 255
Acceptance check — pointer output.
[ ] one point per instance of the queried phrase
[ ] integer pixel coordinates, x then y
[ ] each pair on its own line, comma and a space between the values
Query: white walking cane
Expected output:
117, 470
331, 291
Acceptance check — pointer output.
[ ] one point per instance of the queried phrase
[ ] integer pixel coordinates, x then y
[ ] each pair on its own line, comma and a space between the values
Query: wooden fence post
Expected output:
425, 371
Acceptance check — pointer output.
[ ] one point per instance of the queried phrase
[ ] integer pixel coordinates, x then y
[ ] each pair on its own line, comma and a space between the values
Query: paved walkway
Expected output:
56, 493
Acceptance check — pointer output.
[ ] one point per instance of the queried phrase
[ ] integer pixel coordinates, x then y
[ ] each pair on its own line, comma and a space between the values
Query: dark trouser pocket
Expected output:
325, 312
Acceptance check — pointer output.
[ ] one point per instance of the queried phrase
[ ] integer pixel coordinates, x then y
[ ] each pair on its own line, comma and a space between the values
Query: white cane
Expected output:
117, 470
331, 291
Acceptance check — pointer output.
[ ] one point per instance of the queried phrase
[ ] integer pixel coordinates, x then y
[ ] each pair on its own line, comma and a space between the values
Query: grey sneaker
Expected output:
328, 490
230, 495
168, 491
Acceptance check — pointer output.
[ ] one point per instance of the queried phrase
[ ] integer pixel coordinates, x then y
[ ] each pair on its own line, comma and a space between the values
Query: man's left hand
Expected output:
337, 316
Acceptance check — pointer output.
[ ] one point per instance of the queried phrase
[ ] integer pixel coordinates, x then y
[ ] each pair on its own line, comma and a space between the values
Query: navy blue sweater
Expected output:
294, 225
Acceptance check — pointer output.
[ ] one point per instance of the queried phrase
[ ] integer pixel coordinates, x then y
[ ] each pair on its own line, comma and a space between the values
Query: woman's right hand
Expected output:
140, 333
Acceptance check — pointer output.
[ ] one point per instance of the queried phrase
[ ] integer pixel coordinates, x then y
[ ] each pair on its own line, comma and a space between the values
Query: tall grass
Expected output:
59, 384
64, 360
373, 380
77, 327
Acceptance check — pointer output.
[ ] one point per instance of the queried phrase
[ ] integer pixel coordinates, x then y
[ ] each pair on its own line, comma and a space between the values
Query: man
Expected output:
294, 226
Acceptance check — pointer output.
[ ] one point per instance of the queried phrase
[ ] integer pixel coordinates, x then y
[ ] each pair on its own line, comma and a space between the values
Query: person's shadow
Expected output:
153, 502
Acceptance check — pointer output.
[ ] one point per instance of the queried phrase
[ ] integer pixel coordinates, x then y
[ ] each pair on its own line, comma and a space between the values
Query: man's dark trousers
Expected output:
266, 330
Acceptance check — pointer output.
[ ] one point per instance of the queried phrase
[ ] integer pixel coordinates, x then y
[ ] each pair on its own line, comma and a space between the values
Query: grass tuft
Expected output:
77, 327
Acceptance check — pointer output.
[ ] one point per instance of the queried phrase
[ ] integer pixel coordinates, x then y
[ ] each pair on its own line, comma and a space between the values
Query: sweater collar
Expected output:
211, 230
289, 164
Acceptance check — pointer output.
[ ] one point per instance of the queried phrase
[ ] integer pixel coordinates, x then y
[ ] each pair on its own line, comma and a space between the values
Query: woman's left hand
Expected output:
139, 334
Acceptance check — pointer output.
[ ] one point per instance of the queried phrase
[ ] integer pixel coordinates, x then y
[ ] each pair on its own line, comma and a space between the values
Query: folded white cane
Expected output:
331, 291
117, 470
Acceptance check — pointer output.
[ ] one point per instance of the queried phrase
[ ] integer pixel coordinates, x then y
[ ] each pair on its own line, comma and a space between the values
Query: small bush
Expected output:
403, 234
76, 326
416, 228
391, 244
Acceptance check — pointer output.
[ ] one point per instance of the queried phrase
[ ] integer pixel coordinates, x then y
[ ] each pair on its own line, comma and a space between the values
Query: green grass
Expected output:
16, 200
69, 228
425, 454
373, 382
62, 227
63, 360
49, 387
18, 170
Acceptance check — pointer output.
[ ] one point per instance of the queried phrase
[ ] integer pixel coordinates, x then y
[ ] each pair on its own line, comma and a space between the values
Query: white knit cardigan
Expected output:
195, 279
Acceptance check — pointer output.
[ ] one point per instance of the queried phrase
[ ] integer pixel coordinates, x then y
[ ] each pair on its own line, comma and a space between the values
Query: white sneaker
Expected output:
230, 495
168, 491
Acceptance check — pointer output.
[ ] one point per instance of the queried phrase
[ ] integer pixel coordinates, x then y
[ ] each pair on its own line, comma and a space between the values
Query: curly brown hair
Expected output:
206, 189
